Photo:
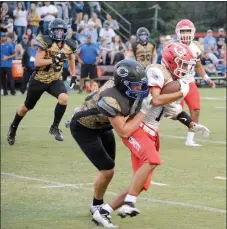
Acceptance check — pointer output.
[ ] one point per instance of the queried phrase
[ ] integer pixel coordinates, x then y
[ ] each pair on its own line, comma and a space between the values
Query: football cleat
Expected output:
56, 132
102, 218
11, 135
192, 144
94, 208
128, 209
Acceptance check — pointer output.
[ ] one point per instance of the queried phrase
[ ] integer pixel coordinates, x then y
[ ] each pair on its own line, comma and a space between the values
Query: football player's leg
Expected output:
58, 90
83, 75
145, 157
92, 145
35, 90
193, 102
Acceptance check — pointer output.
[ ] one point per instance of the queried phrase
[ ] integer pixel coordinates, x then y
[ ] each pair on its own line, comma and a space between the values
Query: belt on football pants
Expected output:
148, 130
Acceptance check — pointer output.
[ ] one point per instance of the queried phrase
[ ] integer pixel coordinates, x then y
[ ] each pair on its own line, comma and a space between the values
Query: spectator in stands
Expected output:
88, 55
105, 50
25, 42
128, 44
11, 39
107, 33
115, 48
48, 14
84, 22
18, 52
162, 40
7, 54
80, 36
120, 55
91, 31
113, 23
207, 63
209, 40
71, 35
63, 10
211, 55
33, 19
200, 40
77, 9
30, 35
39, 7
4, 17
221, 39
20, 21
94, 8
28, 59
98, 24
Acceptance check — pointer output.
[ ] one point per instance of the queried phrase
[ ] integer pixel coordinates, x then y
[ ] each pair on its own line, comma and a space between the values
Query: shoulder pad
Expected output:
71, 44
43, 41
200, 46
116, 100
108, 106
155, 76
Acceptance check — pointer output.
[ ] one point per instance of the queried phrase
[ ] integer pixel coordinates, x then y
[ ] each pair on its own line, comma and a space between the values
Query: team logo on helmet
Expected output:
122, 71
180, 50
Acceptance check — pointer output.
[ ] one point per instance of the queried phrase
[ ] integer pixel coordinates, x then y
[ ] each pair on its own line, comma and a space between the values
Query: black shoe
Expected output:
11, 135
13, 93
56, 132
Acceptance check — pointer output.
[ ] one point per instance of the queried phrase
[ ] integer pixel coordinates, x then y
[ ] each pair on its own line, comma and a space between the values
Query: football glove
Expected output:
172, 110
146, 104
198, 128
184, 87
60, 57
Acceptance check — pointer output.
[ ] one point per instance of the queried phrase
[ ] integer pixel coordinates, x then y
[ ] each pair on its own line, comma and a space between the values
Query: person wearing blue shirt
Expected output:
209, 40
28, 59
88, 55
7, 54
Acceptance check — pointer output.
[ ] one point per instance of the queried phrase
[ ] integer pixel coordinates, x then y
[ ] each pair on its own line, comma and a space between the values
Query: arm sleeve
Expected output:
155, 77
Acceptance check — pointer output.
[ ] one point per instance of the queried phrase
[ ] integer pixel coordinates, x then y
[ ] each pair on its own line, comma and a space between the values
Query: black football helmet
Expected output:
54, 26
142, 35
130, 73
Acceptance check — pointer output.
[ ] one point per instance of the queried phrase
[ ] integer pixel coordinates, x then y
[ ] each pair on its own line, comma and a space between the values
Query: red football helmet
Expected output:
178, 59
185, 31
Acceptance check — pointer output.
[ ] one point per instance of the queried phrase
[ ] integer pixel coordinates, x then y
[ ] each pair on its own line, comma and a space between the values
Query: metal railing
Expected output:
124, 25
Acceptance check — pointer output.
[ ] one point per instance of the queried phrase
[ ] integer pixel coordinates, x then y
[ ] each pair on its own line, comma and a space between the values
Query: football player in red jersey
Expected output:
185, 31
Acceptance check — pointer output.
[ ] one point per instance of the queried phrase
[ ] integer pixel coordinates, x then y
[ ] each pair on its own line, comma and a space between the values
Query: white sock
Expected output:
130, 198
190, 136
108, 208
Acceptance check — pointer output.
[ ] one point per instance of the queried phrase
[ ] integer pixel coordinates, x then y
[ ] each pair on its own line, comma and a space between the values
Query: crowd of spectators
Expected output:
23, 21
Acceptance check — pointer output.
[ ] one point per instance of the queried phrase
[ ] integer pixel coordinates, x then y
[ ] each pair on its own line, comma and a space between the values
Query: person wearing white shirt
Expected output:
107, 33
20, 21
48, 14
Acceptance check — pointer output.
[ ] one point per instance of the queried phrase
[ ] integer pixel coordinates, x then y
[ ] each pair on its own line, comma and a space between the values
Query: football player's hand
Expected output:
59, 58
146, 104
211, 83
172, 110
73, 82
198, 128
184, 87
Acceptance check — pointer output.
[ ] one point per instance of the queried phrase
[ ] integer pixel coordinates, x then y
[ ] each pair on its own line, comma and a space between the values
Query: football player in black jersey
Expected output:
53, 50
104, 109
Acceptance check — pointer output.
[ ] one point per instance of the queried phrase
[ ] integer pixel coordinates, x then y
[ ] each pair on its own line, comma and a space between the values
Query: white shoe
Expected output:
94, 208
103, 220
192, 144
128, 209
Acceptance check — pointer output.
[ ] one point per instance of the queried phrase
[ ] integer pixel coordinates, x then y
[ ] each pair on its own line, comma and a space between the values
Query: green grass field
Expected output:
47, 184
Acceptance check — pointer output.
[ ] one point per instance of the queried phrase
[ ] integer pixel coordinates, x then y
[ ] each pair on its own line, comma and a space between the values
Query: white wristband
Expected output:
206, 77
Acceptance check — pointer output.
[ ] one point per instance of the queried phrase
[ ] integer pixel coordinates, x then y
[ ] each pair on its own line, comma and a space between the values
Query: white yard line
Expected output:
220, 178
214, 98
205, 208
220, 108
199, 140
158, 184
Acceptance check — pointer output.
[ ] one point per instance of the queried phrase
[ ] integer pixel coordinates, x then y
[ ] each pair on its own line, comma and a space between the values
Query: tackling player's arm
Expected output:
123, 127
